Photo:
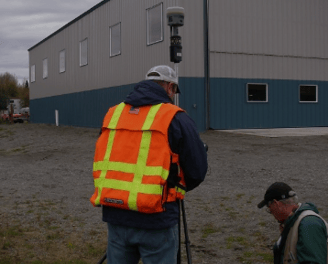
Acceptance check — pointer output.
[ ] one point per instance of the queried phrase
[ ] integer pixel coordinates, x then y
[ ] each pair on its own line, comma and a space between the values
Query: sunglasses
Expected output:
268, 209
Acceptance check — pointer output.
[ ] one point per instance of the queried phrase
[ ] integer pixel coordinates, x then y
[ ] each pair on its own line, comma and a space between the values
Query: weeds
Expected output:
209, 229
250, 200
11, 232
239, 196
262, 223
240, 241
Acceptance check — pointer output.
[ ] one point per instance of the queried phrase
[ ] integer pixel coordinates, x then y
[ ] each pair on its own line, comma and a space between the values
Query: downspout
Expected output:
206, 64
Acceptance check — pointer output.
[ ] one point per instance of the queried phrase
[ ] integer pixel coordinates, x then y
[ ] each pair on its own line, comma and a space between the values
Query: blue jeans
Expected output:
126, 245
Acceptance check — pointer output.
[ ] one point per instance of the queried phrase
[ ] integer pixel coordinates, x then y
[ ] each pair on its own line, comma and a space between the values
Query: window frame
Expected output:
45, 68
82, 63
110, 40
33, 73
266, 93
149, 42
316, 94
62, 70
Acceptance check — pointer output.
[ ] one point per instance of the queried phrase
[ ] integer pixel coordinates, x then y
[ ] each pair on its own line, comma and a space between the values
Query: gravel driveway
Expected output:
46, 183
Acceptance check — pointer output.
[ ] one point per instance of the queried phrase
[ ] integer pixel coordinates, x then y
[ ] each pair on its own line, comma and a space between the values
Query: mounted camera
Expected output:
175, 19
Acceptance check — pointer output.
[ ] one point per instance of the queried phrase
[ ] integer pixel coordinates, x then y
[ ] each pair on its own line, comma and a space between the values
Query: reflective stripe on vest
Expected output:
138, 170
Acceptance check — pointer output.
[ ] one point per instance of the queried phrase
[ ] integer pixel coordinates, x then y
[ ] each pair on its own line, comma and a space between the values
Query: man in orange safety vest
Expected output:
149, 154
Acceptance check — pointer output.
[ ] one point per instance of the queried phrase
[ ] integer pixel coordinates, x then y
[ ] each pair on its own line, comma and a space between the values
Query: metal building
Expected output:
246, 63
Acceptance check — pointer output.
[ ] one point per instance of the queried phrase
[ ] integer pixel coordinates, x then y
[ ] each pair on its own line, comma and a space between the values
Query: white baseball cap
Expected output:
163, 73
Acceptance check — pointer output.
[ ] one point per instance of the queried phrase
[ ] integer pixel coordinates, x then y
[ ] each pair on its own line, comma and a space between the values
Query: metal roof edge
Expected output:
70, 23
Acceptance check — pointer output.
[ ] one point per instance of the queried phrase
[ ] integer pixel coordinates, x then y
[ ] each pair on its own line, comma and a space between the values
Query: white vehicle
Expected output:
15, 102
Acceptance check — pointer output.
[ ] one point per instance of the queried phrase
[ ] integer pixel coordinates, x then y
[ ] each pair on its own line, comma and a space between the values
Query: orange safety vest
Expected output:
133, 157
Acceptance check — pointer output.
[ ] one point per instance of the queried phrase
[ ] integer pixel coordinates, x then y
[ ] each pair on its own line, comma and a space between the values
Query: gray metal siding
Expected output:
269, 39
135, 59
281, 43
229, 65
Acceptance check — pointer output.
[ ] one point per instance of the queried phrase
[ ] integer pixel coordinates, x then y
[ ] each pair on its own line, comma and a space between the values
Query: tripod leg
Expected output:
179, 228
102, 259
187, 241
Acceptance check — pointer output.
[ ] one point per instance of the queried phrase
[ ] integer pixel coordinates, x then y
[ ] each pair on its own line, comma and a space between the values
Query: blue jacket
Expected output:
184, 140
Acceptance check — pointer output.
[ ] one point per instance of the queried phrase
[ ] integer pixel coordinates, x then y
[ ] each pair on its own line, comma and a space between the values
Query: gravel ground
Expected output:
46, 183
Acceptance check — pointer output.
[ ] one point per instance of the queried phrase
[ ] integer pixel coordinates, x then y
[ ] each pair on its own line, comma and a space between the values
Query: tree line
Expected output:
10, 88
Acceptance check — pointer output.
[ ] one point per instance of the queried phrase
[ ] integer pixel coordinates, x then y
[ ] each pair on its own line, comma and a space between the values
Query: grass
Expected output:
237, 241
262, 223
11, 232
239, 196
250, 257
265, 256
5, 133
40, 235
250, 200
209, 229
43, 239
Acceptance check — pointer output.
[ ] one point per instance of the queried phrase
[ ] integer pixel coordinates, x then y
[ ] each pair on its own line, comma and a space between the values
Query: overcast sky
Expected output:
24, 23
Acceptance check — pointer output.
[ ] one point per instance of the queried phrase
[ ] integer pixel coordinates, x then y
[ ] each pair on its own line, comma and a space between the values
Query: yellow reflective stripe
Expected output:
139, 170
141, 165
116, 116
112, 124
183, 192
97, 201
151, 116
129, 186
129, 168
114, 166
110, 142
157, 171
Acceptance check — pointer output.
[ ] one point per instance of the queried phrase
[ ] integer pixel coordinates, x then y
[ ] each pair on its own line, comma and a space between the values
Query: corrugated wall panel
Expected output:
135, 59
192, 99
130, 66
268, 67
86, 109
230, 110
291, 31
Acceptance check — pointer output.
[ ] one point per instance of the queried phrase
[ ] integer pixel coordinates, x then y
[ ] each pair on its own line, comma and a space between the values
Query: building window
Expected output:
45, 68
84, 52
32, 73
308, 93
115, 39
62, 63
155, 24
257, 92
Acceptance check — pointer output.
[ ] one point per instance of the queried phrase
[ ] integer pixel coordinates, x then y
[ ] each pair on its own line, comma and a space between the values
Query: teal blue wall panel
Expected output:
192, 99
84, 109
228, 105
229, 108
88, 108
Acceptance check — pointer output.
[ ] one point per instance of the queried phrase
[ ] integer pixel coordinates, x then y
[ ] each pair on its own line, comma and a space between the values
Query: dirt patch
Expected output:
46, 182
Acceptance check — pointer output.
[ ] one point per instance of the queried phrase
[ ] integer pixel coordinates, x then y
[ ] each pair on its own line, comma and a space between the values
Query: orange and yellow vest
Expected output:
133, 158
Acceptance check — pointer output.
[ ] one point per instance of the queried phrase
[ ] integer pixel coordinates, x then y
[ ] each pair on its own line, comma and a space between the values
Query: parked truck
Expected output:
19, 114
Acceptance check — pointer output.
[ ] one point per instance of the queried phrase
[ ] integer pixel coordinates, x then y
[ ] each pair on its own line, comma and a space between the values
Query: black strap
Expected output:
173, 179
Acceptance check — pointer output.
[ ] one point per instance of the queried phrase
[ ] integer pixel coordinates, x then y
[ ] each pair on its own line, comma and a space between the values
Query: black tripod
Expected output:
187, 241
102, 259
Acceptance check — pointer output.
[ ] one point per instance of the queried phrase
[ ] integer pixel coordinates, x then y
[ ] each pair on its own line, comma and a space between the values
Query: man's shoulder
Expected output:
182, 121
183, 118
311, 220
